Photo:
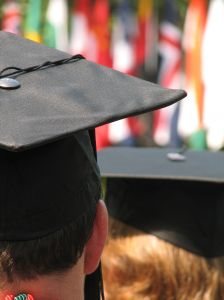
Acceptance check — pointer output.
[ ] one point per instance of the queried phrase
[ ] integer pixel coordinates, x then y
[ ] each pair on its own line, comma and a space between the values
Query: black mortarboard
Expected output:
47, 106
178, 198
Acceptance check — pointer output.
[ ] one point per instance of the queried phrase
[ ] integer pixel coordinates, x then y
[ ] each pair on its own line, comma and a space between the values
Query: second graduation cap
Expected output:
181, 202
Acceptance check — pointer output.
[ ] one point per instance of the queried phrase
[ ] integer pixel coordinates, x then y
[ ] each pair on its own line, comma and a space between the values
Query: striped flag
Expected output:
170, 70
122, 132
190, 124
213, 66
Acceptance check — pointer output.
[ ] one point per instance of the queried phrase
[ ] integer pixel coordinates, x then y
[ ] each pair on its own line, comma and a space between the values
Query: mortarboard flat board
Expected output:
48, 103
55, 102
178, 200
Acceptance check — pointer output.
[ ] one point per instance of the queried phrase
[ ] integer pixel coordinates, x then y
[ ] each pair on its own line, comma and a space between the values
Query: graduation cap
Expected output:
176, 197
49, 103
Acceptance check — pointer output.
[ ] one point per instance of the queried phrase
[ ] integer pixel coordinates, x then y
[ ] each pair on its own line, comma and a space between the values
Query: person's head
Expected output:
169, 241
54, 267
64, 248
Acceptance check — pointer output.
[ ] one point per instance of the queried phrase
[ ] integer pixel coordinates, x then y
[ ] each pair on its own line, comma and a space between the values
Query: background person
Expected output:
166, 228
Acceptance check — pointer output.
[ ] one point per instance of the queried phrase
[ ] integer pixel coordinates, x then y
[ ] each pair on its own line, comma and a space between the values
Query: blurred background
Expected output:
176, 43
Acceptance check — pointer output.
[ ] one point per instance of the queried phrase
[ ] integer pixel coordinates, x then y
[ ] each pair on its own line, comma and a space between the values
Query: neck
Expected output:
68, 285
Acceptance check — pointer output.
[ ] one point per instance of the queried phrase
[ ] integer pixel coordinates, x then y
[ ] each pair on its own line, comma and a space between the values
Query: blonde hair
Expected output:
141, 266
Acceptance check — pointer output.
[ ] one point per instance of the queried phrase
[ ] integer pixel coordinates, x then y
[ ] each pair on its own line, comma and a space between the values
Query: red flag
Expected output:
100, 37
102, 137
11, 17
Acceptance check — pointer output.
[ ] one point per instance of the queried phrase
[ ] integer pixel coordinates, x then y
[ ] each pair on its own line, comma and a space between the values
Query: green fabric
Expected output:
32, 25
197, 140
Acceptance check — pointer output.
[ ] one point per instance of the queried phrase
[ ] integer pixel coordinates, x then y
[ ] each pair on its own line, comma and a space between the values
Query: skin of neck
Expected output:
67, 285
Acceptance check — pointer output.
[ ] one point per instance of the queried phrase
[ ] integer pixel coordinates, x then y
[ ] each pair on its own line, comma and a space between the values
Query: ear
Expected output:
95, 244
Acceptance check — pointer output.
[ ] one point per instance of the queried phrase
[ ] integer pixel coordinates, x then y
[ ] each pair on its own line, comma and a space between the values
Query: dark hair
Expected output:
53, 253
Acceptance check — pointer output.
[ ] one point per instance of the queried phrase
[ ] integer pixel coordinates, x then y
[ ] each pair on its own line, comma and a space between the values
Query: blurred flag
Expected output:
145, 26
146, 41
102, 137
80, 27
99, 51
191, 110
123, 37
119, 133
11, 17
169, 72
99, 38
213, 66
122, 132
32, 26
114, 133
56, 27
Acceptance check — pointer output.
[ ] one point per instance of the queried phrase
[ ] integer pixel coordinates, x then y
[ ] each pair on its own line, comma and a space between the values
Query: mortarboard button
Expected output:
9, 83
176, 156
